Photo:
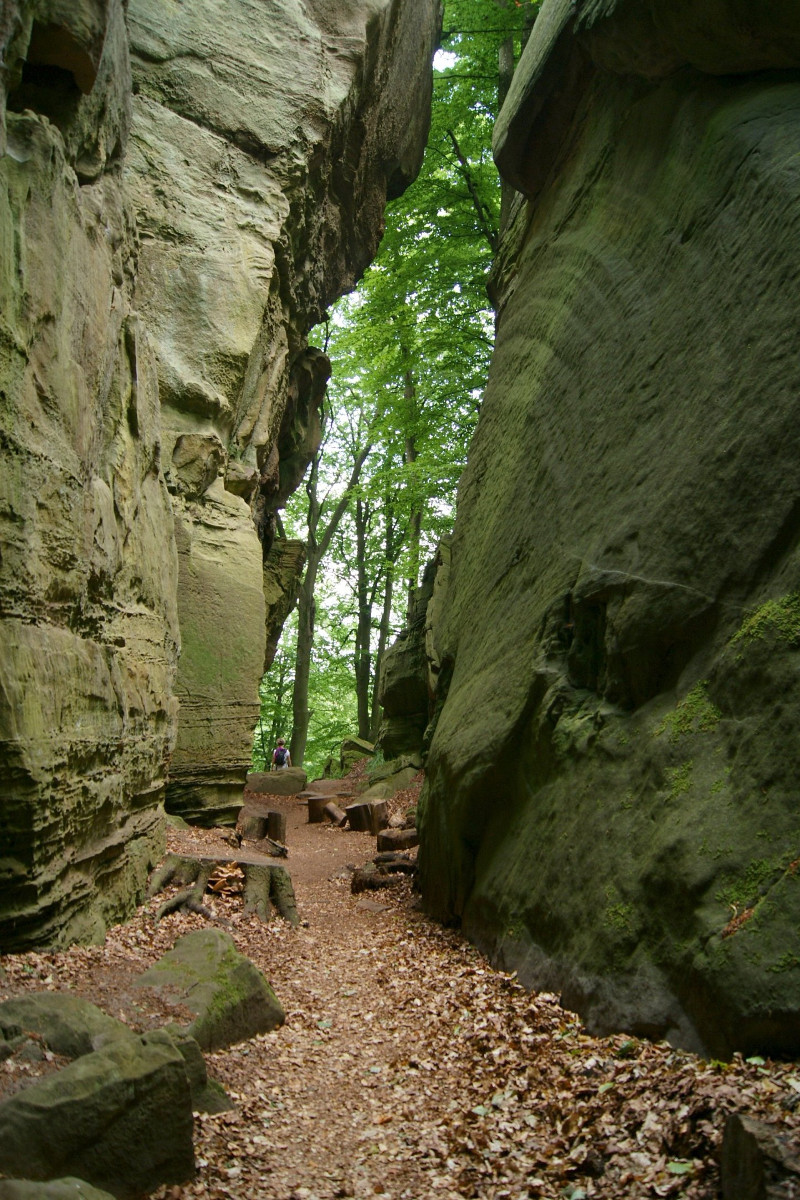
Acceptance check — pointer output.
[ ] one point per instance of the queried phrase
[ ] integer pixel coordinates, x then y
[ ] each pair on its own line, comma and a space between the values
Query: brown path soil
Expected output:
407, 1067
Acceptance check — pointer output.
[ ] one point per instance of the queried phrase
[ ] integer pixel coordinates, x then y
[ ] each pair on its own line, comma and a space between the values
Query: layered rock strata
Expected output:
181, 199
611, 804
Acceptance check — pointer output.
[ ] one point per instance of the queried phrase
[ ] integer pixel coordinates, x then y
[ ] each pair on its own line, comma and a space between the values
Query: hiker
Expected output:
280, 756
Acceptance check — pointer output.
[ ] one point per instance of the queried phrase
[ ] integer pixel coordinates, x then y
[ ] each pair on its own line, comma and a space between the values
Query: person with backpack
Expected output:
280, 756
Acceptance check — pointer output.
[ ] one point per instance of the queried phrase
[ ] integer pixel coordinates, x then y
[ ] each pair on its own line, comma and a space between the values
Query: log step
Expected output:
398, 839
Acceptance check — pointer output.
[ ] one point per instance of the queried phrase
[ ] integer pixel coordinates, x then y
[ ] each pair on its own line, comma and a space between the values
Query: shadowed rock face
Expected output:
613, 774
180, 201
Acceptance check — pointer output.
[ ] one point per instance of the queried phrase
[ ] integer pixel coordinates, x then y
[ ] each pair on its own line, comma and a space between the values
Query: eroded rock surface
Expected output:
120, 1118
230, 998
611, 799
181, 199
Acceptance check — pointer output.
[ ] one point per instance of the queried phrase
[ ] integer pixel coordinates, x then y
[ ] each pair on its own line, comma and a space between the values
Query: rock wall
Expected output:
611, 805
410, 669
183, 194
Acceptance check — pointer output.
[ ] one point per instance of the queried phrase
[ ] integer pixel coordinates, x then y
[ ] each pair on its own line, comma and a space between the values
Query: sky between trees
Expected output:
410, 352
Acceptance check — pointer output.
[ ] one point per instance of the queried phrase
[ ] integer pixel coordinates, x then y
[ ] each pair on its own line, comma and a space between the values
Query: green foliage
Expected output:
331, 686
695, 713
410, 353
777, 619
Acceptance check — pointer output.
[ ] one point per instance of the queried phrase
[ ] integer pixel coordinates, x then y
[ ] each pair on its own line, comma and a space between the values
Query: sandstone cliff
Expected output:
611, 804
182, 196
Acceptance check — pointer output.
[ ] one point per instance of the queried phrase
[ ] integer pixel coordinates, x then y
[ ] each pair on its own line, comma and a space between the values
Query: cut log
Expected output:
253, 827
335, 814
398, 839
368, 816
276, 849
276, 826
316, 809
395, 864
365, 880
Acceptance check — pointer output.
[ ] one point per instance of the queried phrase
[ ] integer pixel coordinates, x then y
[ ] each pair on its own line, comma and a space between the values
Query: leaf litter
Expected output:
408, 1067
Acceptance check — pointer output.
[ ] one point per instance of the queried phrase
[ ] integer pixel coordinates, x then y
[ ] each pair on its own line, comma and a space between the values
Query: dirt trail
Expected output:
407, 1068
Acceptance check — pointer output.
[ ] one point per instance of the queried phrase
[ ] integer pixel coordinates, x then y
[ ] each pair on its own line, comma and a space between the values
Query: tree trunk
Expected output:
391, 550
505, 63
363, 660
301, 713
317, 549
415, 519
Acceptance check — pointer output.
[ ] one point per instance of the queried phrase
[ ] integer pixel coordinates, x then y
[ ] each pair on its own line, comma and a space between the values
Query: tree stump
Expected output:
252, 827
276, 826
368, 816
268, 889
265, 885
179, 869
316, 809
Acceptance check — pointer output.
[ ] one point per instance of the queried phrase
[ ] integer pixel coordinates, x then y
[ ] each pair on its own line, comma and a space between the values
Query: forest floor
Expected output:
408, 1068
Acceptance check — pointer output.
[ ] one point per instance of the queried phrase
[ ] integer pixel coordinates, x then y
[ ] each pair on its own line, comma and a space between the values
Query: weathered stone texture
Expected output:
166, 241
119, 1117
283, 570
262, 150
613, 773
88, 567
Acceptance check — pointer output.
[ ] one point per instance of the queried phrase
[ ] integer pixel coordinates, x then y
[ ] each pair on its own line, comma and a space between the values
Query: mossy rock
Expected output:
120, 1118
68, 1024
230, 998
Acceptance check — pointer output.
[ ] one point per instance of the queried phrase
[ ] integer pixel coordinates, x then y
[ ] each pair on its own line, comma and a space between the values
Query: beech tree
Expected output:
410, 352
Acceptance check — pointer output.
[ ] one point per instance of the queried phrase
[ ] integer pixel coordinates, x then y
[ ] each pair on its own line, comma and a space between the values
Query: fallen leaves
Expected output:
407, 1067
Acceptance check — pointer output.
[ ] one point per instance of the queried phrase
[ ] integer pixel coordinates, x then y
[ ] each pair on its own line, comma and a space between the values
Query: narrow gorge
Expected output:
185, 189
608, 697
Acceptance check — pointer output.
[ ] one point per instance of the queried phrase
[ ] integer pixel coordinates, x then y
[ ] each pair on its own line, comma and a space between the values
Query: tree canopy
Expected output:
410, 351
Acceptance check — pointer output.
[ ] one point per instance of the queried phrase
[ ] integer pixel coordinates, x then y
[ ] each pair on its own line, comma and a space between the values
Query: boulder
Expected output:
205, 973
384, 788
758, 1161
54, 1189
67, 1024
289, 781
610, 805
120, 1118
207, 1095
394, 766
283, 571
410, 668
